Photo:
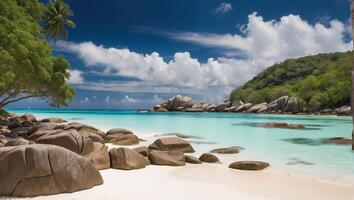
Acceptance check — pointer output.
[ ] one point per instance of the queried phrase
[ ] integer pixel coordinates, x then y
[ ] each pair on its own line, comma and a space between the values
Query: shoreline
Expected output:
205, 181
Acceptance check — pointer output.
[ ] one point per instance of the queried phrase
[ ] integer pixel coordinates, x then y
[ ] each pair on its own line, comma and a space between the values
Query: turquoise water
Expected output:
328, 162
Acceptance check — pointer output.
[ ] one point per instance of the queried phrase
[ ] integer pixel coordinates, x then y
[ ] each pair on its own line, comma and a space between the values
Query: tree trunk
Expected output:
352, 99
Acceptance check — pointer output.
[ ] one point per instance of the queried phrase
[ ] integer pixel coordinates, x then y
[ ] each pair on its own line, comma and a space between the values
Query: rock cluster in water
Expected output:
51, 156
284, 104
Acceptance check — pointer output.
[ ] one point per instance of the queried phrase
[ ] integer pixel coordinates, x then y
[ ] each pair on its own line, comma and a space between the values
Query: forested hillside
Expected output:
320, 81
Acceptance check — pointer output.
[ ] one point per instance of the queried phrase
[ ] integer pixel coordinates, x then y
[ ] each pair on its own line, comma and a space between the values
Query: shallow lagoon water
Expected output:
329, 162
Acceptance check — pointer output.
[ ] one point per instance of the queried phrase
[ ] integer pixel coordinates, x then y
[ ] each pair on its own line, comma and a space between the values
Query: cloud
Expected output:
261, 44
223, 8
128, 99
85, 100
289, 37
76, 77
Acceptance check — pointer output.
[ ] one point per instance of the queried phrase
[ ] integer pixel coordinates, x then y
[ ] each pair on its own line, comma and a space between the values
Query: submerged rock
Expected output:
337, 140
280, 125
228, 150
35, 170
249, 165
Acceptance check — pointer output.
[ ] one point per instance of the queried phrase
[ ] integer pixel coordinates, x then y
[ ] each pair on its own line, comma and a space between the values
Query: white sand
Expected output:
205, 181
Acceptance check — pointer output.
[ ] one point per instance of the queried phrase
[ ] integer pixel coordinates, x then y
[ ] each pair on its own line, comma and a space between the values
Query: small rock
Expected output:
192, 159
249, 165
208, 158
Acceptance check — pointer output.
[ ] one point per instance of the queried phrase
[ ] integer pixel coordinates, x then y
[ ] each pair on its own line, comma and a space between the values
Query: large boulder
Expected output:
172, 144
227, 150
99, 156
344, 110
69, 139
256, 108
124, 158
292, 105
170, 158
220, 107
249, 165
209, 158
85, 130
179, 101
278, 104
37, 169
120, 131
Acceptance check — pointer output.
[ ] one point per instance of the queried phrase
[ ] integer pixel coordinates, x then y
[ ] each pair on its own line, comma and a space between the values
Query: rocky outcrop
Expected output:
34, 170
344, 110
249, 165
257, 108
281, 105
119, 136
172, 144
208, 158
124, 158
278, 104
227, 150
170, 158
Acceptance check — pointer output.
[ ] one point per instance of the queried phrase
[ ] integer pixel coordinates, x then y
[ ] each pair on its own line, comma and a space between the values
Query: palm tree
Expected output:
352, 99
56, 20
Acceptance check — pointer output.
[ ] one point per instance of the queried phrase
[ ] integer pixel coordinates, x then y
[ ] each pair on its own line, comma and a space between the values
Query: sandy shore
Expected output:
205, 181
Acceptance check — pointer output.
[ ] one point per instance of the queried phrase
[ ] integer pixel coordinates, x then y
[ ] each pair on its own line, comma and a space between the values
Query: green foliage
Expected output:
56, 20
321, 81
3, 113
27, 67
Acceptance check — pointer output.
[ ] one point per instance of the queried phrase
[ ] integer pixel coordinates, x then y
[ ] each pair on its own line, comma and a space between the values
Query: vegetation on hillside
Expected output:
27, 66
320, 81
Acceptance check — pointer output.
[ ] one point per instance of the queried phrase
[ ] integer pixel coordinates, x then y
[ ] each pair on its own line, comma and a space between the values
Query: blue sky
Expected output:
133, 54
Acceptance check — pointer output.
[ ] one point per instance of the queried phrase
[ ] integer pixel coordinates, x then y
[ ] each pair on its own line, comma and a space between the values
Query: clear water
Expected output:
327, 162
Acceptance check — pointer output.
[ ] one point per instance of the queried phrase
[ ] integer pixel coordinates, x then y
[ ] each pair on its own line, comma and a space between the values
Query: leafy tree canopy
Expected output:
320, 81
27, 66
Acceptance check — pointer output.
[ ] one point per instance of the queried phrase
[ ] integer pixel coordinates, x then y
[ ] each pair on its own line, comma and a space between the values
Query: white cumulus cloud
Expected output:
261, 44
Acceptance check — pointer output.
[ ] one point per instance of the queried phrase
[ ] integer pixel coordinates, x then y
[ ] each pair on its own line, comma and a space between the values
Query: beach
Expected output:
206, 181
